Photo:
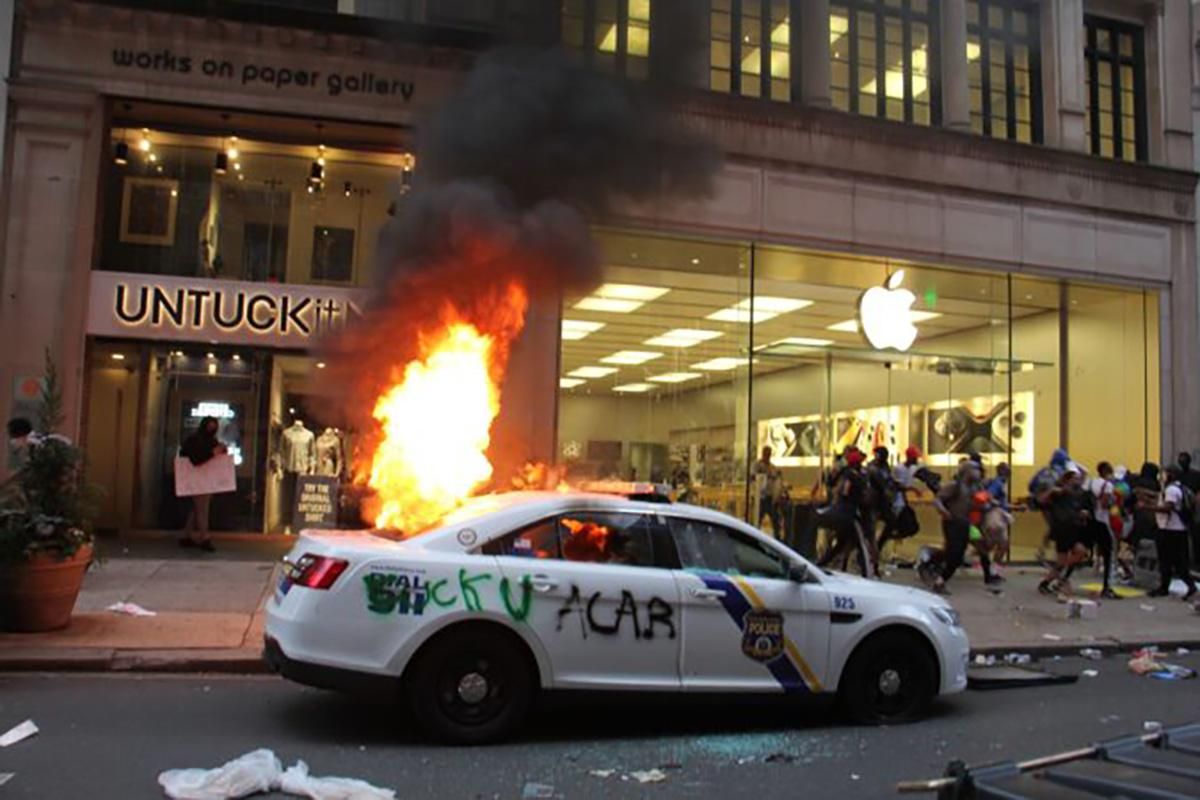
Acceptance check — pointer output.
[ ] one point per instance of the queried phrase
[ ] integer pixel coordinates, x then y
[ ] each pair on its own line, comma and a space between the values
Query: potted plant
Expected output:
46, 540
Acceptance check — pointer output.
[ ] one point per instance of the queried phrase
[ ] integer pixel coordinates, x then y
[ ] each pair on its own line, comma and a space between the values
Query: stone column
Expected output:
1063, 78
814, 52
956, 98
57, 140
1174, 36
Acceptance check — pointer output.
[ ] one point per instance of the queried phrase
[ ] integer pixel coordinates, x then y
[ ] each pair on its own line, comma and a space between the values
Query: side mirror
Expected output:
797, 572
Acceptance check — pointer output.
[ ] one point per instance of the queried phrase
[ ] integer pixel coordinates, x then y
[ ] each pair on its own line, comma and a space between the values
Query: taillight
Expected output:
317, 572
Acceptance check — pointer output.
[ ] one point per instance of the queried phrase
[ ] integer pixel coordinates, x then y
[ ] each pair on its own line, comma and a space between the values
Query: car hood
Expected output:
861, 587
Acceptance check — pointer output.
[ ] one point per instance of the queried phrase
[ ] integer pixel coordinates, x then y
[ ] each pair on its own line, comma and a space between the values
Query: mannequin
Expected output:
296, 449
329, 453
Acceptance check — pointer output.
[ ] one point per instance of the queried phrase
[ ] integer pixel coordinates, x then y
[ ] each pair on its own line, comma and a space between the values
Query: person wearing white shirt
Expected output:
1099, 533
1172, 537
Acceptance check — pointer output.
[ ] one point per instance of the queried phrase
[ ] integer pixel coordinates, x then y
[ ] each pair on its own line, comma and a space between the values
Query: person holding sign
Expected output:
200, 448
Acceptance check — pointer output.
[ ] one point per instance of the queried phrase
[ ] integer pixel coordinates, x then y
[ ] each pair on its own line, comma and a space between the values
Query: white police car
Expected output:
527, 591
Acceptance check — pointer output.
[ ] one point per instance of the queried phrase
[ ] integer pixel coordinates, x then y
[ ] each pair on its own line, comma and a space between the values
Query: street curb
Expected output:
1107, 647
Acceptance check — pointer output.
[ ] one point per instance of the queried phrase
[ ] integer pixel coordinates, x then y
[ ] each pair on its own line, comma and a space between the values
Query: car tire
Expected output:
890, 678
471, 687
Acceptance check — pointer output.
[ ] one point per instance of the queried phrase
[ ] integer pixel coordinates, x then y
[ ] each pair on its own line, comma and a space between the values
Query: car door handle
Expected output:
543, 583
711, 594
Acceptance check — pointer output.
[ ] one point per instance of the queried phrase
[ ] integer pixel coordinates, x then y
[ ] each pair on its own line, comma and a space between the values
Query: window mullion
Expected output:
1115, 90
1010, 75
880, 64
622, 35
1093, 89
735, 46
906, 68
852, 32
764, 49
985, 71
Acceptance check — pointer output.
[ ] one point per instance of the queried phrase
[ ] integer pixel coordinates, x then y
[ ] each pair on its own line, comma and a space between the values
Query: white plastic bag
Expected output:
258, 771
297, 781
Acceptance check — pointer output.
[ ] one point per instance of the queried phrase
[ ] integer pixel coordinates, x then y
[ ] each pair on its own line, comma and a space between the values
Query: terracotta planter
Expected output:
39, 594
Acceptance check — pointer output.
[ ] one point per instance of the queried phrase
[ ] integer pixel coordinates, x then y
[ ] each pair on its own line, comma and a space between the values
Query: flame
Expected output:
435, 421
586, 541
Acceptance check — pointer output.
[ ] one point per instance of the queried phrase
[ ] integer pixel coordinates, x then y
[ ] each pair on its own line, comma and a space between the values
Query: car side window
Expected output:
539, 540
606, 538
705, 546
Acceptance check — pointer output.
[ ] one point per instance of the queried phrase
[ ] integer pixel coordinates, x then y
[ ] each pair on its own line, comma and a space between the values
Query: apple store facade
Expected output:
694, 353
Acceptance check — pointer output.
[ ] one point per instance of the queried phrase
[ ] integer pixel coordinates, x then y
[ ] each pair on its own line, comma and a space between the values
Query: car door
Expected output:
747, 625
606, 614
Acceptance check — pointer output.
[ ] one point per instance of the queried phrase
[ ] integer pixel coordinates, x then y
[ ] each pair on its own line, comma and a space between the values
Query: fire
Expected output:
435, 421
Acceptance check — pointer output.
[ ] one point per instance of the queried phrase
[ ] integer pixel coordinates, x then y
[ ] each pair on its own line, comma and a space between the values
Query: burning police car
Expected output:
526, 591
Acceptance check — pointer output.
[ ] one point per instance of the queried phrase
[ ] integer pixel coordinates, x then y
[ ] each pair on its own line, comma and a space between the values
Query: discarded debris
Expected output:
534, 790
854, 776
1173, 672
649, 776
19, 733
1052, 637
1017, 658
262, 771
1146, 662
1091, 653
1181, 651
1091, 673
602, 773
131, 610
1146, 607
1151, 726
5, 777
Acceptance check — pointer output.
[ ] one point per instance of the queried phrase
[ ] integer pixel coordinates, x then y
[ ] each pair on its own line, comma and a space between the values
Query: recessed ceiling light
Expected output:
236, 357
210, 355
675, 377
592, 372
320, 365
803, 341
695, 261
576, 329
765, 308
630, 357
118, 356
570, 383
721, 364
683, 337
633, 387
608, 305
630, 291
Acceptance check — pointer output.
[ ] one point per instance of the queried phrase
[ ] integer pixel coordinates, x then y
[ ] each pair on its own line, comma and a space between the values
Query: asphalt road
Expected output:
109, 736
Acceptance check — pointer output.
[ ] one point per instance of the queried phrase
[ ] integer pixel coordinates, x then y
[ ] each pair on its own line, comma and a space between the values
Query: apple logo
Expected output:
885, 315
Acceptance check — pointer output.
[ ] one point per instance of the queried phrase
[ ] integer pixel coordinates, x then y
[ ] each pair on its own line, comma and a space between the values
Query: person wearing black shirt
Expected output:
845, 516
1190, 479
199, 448
1067, 513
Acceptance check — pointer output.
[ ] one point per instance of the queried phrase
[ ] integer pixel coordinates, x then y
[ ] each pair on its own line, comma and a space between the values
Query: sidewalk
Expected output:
210, 613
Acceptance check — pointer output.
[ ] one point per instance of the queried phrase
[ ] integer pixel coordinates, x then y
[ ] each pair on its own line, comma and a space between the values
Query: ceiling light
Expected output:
118, 356
973, 51
320, 365
153, 156
144, 144
675, 377
121, 154
221, 166
802, 341
592, 372
210, 355
695, 261
683, 337
232, 150
765, 308
633, 388
629, 291
630, 357
575, 329
236, 357
237, 166
721, 364
570, 383
608, 305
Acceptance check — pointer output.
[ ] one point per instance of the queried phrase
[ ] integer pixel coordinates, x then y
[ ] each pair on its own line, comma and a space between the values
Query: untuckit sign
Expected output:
233, 312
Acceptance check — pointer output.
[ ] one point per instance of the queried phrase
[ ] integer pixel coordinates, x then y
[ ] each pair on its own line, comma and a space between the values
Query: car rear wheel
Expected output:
890, 678
471, 687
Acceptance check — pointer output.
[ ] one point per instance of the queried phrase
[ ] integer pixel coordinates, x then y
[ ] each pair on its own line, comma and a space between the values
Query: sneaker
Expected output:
940, 588
1046, 586
1109, 594
992, 580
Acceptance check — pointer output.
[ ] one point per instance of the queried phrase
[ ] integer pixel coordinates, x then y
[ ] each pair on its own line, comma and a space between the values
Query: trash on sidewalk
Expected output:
1181, 651
5, 777
602, 773
1090, 673
131, 610
262, 771
535, 790
649, 776
296, 780
1013, 676
19, 733
1146, 607
1052, 637
1017, 658
1082, 609
1091, 653
1146, 662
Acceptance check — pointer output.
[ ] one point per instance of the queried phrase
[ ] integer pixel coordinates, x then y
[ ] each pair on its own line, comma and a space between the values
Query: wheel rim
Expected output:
473, 689
895, 690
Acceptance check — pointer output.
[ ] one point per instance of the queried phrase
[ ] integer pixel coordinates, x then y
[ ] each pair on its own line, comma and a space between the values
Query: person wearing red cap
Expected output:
845, 516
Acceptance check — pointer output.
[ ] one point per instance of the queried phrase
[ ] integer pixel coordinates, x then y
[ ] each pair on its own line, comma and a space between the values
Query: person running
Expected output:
1172, 536
770, 488
1098, 532
1000, 519
1042, 481
953, 504
844, 516
1068, 516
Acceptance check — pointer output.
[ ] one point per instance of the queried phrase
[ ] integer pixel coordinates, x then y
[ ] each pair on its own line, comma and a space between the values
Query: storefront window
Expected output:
983, 371
884, 58
243, 209
738, 31
611, 35
1003, 70
1116, 89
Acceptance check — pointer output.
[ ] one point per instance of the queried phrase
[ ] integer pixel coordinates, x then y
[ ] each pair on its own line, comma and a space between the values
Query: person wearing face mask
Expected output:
199, 448
954, 504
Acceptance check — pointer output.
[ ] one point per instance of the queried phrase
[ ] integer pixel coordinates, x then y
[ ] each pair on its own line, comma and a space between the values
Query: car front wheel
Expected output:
470, 687
890, 678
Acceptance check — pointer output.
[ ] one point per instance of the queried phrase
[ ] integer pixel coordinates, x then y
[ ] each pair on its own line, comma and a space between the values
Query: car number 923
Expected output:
841, 603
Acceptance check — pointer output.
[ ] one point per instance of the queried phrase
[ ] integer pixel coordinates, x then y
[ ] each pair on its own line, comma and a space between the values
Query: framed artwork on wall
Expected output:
148, 207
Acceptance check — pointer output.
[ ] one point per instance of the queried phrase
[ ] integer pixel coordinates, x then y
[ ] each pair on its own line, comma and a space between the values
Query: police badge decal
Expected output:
762, 635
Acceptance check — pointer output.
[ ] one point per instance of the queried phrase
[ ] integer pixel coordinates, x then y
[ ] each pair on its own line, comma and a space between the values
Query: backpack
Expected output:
1188, 512
1042, 480
930, 478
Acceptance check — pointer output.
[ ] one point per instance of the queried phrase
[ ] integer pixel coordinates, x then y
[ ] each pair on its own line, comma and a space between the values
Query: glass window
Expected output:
539, 540
611, 35
1003, 70
884, 58
241, 208
604, 538
1115, 74
759, 48
715, 548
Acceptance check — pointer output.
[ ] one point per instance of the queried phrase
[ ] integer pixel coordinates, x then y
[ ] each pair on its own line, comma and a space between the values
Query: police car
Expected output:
521, 592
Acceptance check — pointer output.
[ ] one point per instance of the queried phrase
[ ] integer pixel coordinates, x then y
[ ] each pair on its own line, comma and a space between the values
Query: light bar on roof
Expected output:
630, 357
633, 388
683, 337
765, 308
675, 377
592, 372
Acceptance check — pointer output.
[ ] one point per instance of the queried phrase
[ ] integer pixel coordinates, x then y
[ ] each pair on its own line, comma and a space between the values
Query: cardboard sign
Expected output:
215, 476
316, 502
